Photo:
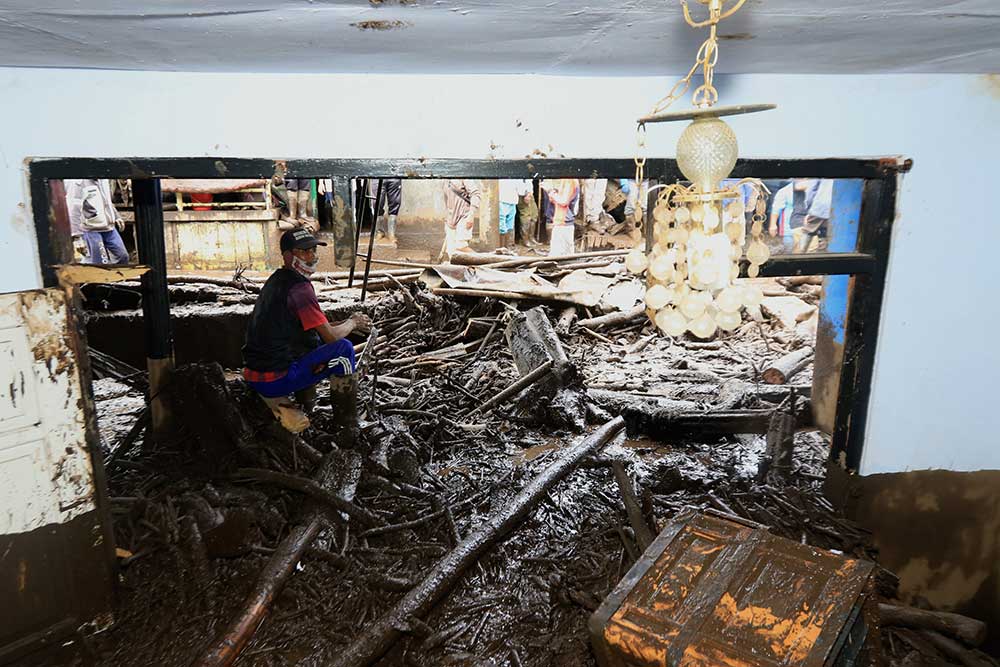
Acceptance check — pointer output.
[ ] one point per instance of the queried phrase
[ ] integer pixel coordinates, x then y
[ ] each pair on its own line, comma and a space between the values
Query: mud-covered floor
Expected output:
196, 533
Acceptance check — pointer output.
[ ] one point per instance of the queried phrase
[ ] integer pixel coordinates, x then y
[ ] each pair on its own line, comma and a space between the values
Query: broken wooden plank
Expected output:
79, 274
380, 635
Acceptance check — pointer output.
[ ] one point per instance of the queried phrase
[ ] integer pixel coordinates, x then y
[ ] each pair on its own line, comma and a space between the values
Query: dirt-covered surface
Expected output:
199, 534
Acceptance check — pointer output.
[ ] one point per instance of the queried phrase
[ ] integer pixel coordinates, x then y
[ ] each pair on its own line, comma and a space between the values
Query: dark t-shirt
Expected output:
800, 209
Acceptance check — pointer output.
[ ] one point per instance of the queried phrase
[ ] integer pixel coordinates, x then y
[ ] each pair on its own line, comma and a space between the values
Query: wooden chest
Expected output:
716, 591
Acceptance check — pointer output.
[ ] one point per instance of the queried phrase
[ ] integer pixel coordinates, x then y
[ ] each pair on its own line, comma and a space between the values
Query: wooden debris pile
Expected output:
470, 523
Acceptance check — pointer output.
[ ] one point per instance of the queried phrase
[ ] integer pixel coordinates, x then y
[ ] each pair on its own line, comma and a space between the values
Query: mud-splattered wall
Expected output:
940, 532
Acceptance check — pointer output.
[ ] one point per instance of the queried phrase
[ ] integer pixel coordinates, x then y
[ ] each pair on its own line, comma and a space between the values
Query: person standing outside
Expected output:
511, 190
595, 190
99, 223
799, 213
564, 194
527, 210
462, 198
385, 229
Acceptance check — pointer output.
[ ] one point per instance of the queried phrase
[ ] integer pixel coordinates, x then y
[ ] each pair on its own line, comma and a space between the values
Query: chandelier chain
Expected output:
707, 58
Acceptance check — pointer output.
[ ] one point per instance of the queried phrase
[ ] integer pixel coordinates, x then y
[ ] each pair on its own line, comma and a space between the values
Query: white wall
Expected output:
934, 383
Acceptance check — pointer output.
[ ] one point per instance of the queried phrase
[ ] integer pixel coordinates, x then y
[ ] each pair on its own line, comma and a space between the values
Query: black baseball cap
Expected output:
300, 239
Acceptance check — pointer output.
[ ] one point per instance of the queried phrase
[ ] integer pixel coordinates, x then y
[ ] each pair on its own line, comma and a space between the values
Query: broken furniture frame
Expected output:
867, 265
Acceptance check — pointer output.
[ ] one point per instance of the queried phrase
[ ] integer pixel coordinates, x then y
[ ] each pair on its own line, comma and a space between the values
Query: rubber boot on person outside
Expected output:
530, 233
390, 236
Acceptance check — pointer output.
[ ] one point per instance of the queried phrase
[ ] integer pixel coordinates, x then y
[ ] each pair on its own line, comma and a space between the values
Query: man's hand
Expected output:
120, 224
772, 230
361, 322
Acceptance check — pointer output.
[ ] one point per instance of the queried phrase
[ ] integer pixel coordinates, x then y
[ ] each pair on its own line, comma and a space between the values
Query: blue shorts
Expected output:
337, 358
507, 212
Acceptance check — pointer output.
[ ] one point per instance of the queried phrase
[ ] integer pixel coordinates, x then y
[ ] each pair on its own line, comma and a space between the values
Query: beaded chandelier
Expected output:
699, 230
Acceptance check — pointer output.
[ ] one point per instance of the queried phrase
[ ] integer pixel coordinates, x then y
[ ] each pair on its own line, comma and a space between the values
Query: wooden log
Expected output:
617, 402
615, 319
375, 284
663, 418
527, 293
796, 281
566, 319
514, 389
380, 635
956, 652
969, 630
244, 285
643, 536
335, 471
313, 490
387, 262
560, 398
780, 445
477, 258
781, 370
529, 261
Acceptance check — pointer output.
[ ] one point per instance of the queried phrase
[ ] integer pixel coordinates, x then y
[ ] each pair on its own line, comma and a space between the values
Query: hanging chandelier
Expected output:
700, 228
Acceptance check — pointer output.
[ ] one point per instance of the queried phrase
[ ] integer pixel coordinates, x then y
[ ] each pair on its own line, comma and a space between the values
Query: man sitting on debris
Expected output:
290, 345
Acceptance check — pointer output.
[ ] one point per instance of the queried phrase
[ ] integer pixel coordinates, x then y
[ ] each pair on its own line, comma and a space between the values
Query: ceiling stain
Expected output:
381, 25
992, 83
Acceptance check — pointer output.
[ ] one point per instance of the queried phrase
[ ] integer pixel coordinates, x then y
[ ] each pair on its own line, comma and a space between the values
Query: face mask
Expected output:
303, 267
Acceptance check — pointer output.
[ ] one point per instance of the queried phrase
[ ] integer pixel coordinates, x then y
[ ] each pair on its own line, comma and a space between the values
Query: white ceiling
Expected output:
595, 37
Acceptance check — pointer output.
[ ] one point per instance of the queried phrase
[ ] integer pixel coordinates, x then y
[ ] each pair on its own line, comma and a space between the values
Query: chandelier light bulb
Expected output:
693, 304
710, 218
729, 300
707, 152
657, 297
706, 273
661, 268
758, 253
728, 321
752, 296
636, 261
671, 322
703, 327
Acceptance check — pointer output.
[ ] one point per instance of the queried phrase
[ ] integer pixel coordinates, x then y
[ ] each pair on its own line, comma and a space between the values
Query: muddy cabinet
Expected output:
715, 591
55, 558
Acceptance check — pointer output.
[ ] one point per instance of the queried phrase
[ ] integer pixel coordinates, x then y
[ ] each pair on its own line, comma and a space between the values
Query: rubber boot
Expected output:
344, 401
531, 233
390, 236
305, 208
